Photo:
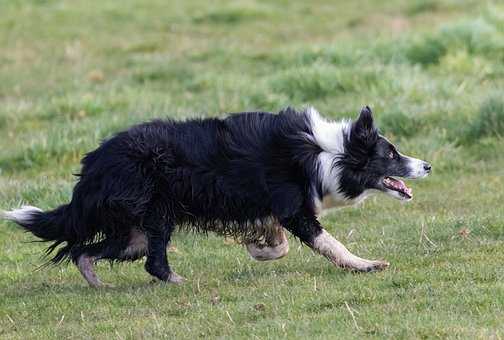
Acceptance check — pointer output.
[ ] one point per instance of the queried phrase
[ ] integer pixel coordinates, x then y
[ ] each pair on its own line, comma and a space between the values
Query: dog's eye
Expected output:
391, 155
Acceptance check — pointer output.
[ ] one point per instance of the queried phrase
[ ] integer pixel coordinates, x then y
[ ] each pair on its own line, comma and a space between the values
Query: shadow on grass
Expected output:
27, 289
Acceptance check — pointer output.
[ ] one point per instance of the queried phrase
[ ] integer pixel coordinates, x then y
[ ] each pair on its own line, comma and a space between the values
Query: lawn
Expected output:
75, 72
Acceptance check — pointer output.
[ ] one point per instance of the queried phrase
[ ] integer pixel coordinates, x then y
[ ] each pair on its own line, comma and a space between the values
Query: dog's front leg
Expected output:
308, 229
337, 253
270, 247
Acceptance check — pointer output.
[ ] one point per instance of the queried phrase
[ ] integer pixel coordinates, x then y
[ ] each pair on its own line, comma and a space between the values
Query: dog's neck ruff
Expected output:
330, 136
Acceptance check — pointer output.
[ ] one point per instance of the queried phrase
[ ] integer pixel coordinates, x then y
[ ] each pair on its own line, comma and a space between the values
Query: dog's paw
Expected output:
373, 266
171, 278
364, 266
175, 278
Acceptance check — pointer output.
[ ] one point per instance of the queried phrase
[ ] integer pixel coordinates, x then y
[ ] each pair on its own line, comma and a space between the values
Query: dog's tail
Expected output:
54, 225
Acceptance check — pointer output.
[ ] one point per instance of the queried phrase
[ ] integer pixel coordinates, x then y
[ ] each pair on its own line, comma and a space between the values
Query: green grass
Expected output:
74, 72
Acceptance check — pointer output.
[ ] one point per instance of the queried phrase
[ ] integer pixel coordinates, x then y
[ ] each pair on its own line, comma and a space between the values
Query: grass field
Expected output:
74, 72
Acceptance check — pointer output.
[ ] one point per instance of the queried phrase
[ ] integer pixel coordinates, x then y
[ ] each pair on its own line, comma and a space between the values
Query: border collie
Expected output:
250, 176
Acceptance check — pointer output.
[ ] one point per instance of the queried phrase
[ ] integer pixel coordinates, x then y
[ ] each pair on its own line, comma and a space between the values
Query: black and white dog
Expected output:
250, 176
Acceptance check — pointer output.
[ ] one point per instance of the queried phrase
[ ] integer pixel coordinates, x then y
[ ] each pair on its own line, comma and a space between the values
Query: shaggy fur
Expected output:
236, 176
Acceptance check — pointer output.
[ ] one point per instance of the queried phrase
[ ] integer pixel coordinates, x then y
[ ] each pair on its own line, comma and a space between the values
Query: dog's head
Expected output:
370, 162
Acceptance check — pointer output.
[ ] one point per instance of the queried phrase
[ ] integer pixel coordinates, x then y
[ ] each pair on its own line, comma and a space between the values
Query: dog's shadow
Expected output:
26, 287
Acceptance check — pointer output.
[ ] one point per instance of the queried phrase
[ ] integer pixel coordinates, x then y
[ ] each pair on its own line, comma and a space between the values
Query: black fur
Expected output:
367, 160
210, 175
222, 175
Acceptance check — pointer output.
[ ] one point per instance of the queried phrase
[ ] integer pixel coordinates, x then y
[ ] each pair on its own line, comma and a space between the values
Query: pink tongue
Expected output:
399, 185
403, 187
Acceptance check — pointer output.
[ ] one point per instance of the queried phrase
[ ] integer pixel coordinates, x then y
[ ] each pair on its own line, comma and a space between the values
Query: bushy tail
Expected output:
49, 226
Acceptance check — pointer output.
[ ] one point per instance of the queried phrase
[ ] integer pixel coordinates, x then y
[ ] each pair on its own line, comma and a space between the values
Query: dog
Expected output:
251, 176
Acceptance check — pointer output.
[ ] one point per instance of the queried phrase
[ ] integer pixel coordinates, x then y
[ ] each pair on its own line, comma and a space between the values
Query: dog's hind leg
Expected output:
85, 265
130, 248
270, 247
157, 260
85, 257
158, 231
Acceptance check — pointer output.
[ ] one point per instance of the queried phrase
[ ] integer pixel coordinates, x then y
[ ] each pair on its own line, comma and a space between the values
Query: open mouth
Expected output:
398, 186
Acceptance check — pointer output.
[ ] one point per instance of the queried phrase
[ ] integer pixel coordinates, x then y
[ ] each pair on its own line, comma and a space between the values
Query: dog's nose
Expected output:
427, 167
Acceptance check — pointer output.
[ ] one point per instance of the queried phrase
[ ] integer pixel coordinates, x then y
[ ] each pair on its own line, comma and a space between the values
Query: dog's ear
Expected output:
365, 120
363, 129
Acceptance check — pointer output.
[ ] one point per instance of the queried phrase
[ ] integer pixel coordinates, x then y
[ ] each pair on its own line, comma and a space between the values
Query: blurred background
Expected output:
75, 72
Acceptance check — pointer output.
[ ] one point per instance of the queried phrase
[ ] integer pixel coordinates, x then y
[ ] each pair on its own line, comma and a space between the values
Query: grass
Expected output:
489, 122
74, 72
